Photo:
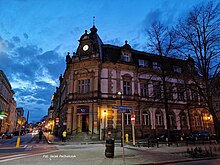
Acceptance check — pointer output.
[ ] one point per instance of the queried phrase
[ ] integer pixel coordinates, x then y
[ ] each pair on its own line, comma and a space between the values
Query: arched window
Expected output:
158, 118
183, 119
145, 118
197, 119
172, 118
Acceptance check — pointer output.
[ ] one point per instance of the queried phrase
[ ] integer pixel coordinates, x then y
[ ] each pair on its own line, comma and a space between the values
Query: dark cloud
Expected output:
153, 15
32, 73
26, 36
116, 41
16, 39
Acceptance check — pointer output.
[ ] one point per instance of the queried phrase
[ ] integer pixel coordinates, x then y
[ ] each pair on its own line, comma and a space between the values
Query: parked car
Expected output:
35, 132
175, 135
7, 135
201, 135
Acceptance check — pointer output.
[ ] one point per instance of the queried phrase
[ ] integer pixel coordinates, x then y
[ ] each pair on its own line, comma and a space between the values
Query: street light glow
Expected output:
119, 93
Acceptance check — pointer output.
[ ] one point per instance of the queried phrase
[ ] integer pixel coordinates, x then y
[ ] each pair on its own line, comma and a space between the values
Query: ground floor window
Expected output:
145, 118
127, 118
158, 118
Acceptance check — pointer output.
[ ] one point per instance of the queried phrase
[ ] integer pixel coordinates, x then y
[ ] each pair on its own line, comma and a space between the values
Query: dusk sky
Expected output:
35, 36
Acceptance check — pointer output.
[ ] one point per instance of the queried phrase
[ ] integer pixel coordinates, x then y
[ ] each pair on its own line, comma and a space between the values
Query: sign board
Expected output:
83, 110
120, 107
122, 110
132, 119
57, 119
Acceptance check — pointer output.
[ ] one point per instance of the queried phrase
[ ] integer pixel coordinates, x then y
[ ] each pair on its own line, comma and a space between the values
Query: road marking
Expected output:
25, 156
11, 157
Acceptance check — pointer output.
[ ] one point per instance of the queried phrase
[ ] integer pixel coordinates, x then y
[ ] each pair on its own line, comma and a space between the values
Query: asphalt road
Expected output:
41, 153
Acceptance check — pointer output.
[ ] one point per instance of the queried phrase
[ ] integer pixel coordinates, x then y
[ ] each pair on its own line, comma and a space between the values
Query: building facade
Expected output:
7, 105
100, 77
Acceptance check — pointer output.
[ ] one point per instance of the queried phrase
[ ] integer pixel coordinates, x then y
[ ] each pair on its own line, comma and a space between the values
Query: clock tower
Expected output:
90, 45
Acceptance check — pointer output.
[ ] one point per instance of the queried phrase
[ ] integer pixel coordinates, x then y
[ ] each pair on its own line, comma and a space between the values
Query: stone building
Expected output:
7, 105
89, 91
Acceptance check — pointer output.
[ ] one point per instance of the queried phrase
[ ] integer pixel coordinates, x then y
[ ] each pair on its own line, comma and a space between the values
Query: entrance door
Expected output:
85, 123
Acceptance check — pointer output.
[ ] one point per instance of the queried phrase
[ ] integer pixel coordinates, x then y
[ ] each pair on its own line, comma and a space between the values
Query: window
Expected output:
144, 90
172, 120
126, 87
177, 69
143, 63
127, 118
145, 118
157, 91
183, 120
170, 93
158, 118
126, 57
84, 86
194, 95
197, 120
156, 66
180, 94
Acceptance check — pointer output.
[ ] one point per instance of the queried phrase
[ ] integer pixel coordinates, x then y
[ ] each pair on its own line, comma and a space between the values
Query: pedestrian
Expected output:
64, 136
40, 134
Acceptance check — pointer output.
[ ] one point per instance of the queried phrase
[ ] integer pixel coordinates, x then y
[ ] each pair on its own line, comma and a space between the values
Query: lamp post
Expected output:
122, 121
104, 115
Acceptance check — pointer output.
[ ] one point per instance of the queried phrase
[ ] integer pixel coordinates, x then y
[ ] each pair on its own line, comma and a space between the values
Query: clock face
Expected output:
85, 47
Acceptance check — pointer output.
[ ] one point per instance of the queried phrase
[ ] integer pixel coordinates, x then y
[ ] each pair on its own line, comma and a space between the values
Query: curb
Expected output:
12, 149
180, 161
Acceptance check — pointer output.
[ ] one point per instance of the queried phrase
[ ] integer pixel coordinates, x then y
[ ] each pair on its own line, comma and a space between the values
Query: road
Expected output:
42, 153
25, 139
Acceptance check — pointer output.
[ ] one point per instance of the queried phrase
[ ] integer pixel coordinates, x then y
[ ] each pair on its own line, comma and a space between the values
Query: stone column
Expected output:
69, 119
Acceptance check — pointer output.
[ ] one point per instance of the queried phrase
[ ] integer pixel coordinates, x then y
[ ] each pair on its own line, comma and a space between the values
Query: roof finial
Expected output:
93, 20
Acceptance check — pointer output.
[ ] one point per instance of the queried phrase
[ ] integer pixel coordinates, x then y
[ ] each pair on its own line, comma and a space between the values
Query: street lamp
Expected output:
122, 121
104, 115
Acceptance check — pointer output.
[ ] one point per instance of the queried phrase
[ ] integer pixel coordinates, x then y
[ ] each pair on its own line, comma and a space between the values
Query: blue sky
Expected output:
35, 36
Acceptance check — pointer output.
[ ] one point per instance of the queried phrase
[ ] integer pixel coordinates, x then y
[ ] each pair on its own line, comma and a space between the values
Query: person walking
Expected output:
40, 135
64, 136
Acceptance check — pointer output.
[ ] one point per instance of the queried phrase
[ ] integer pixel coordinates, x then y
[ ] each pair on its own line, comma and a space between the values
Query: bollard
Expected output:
126, 137
18, 142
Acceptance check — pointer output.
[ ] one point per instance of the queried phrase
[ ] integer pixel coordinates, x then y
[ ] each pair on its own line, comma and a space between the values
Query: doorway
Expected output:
85, 123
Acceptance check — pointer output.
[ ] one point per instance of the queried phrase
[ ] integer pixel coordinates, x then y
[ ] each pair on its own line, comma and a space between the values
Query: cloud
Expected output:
32, 73
115, 41
16, 39
25, 35
42, 75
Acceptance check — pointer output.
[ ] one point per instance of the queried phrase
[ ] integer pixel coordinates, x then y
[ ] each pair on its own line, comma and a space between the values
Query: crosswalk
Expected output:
30, 150
4, 158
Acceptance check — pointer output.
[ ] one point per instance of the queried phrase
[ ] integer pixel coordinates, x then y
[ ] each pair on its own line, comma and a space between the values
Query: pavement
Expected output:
162, 154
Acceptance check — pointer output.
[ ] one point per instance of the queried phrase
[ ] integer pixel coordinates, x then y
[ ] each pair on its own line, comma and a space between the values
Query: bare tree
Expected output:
199, 36
161, 41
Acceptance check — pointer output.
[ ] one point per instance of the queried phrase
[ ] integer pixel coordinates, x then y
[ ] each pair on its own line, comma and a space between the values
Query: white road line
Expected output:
27, 155
11, 157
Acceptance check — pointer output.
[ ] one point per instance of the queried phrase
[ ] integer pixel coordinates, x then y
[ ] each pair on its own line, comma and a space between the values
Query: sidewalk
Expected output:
145, 155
